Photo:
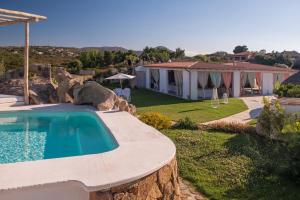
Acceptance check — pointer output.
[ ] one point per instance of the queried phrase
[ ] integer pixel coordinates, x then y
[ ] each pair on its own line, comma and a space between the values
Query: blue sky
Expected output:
198, 26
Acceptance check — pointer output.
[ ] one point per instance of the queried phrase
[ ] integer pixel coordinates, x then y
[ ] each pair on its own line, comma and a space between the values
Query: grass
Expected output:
176, 108
231, 166
252, 122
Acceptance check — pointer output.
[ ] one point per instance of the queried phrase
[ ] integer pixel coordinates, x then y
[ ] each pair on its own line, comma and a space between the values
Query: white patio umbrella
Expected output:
121, 77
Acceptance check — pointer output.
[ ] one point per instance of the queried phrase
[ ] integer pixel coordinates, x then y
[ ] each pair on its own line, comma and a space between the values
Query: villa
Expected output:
196, 80
61, 151
89, 142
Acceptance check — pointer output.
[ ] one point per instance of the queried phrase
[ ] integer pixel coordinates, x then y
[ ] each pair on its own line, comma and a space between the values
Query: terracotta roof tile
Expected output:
184, 64
241, 66
246, 53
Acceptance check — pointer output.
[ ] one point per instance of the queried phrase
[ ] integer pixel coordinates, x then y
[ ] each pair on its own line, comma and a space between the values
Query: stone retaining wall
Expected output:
160, 185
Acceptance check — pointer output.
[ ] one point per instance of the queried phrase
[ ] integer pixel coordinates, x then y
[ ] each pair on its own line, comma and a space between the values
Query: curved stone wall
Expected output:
162, 184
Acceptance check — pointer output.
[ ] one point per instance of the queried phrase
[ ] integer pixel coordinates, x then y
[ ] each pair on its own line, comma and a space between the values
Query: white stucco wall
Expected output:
208, 93
194, 85
267, 83
236, 82
163, 80
148, 78
186, 84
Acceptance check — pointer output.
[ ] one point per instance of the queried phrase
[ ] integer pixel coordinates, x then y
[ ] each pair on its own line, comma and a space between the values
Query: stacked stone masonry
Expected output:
160, 185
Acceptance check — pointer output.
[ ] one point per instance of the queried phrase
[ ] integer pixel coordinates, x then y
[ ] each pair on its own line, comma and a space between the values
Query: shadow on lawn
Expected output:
191, 110
266, 179
145, 98
255, 112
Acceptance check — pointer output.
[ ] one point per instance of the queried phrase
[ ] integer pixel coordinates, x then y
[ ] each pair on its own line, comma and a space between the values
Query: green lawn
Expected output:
231, 166
176, 108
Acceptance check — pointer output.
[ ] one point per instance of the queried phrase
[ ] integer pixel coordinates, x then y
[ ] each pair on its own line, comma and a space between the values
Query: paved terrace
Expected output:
254, 104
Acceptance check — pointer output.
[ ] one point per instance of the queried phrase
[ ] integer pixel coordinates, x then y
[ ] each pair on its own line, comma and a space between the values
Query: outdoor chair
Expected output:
118, 91
127, 94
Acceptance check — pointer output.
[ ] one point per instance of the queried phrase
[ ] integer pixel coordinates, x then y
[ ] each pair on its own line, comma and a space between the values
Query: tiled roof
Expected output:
246, 53
242, 66
294, 79
183, 64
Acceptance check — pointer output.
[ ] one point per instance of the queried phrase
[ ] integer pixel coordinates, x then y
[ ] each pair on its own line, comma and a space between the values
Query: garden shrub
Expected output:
230, 127
288, 90
274, 123
291, 124
294, 161
271, 120
186, 123
156, 120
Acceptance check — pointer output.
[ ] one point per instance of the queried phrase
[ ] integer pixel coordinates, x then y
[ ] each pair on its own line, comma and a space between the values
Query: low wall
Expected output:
290, 105
162, 184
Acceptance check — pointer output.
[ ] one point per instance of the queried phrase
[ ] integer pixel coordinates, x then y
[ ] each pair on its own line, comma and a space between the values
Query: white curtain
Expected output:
244, 78
155, 76
278, 78
202, 80
215, 79
178, 81
251, 78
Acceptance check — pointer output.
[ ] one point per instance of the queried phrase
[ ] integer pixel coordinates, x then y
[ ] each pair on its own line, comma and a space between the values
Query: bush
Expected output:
271, 120
74, 66
291, 124
186, 123
294, 161
230, 127
156, 120
288, 90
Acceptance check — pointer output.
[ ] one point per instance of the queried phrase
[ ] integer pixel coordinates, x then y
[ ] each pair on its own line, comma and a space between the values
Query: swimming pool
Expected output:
36, 135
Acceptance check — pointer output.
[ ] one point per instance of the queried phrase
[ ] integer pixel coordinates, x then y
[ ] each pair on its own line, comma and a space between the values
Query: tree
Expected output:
202, 58
108, 58
179, 53
274, 58
2, 67
90, 59
10, 60
75, 66
146, 54
162, 56
131, 57
118, 57
240, 49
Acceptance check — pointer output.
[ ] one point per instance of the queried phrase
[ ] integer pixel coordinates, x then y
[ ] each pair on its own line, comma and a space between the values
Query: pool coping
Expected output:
142, 150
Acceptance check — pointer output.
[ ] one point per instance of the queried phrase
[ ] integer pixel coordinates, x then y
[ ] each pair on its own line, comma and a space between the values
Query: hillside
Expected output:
56, 56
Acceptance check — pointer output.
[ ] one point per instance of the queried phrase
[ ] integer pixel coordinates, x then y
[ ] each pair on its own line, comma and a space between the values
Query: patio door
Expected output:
154, 79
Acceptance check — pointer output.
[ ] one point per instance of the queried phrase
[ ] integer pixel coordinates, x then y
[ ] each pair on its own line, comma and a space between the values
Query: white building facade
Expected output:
196, 80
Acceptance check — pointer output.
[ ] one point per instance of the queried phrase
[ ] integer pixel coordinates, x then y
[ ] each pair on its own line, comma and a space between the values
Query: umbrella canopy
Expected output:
120, 76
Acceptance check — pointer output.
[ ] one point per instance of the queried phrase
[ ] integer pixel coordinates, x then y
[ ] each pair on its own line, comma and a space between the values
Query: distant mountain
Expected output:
163, 47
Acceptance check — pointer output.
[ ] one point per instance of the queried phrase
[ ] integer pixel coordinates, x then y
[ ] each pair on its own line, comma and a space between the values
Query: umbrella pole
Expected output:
121, 84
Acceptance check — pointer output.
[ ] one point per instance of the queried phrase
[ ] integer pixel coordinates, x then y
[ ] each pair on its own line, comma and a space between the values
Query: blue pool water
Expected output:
35, 135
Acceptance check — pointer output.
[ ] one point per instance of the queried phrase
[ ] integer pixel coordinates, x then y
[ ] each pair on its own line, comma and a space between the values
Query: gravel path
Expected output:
254, 104
188, 192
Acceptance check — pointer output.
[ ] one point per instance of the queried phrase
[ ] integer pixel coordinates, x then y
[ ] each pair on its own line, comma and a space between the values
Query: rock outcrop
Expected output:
12, 87
100, 97
41, 90
95, 94
69, 89
66, 84
162, 184
77, 90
